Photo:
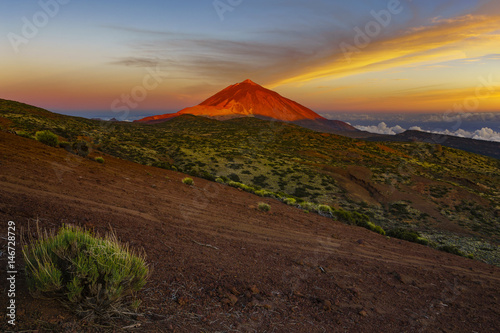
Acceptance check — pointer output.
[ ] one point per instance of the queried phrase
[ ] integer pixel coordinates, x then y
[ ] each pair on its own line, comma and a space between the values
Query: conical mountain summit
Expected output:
249, 99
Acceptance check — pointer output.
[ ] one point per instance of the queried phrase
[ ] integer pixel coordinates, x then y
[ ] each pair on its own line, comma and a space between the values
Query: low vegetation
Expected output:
96, 277
47, 137
262, 206
188, 181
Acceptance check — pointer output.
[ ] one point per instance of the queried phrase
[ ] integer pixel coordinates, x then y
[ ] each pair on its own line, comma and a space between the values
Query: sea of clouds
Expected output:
484, 133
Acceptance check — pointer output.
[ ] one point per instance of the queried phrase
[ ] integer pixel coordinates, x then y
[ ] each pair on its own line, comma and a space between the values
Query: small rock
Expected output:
327, 305
360, 241
363, 313
234, 291
182, 300
233, 299
254, 289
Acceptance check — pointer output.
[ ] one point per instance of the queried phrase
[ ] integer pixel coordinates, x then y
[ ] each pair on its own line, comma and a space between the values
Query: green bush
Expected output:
47, 137
264, 207
290, 201
376, 228
99, 160
95, 277
188, 181
451, 249
264, 193
407, 235
24, 134
325, 210
309, 206
219, 180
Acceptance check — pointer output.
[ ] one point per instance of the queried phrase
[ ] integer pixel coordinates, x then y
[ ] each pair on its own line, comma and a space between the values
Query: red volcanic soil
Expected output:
246, 99
219, 264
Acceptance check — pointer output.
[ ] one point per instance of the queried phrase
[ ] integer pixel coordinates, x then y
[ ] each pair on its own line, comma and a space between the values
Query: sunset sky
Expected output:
371, 56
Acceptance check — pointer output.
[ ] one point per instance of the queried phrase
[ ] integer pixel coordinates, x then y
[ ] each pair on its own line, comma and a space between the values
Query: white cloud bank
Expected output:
484, 133
382, 128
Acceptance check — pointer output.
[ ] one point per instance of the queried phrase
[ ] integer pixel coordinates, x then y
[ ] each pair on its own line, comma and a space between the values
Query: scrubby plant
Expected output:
309, 206
99, 160
219, 180
376, 228
66, 145
290, 201
96, 277
325, 210
24, 134
262, 206
188, 181
451, 249
81, 148
47, 137
407, 235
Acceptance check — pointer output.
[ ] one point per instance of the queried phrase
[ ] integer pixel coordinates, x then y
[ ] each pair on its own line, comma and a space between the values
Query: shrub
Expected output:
451, 249
47, 137
290, 201
306, 205
99, 160
95, 277
376, 228
81, 148
219, 180
188, 181
24, 134
264, 207
407, 235
264, 193
380, 230
66, 145
325, 210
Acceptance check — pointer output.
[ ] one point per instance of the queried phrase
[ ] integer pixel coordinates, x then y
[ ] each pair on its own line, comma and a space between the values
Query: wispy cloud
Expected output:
415, 46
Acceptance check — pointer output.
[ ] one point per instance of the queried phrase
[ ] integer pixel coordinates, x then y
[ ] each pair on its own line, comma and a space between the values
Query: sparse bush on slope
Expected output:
47, 137
407, 235
262, 206
188, 181
81, 148
97, 278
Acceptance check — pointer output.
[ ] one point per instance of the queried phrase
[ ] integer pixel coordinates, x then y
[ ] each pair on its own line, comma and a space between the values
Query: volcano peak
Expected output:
249, 82
249, 99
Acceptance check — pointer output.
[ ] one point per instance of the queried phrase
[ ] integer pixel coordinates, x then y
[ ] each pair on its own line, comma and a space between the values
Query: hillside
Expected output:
219, 264
449, 196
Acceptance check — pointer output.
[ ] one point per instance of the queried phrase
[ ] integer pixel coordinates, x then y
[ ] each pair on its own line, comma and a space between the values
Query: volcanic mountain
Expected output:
248, 99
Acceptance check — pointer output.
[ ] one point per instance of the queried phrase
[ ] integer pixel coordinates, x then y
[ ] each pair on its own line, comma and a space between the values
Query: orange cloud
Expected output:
443, 40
